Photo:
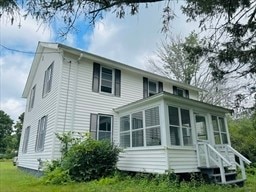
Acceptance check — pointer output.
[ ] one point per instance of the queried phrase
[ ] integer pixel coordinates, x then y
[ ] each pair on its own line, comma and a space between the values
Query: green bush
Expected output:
90, 160
82, 159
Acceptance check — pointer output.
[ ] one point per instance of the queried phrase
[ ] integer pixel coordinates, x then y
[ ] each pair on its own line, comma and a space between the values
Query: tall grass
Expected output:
14, 180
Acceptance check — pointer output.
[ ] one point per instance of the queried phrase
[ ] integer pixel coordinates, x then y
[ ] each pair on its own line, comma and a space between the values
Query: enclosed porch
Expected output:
166, 132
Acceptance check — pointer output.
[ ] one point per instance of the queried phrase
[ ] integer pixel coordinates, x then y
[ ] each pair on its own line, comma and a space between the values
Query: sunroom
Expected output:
166, 132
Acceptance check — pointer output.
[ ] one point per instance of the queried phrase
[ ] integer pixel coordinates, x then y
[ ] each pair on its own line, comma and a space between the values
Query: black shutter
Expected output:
145, 87
117, 82
93, 126
160, 87
175, 90
96, 77
186, 93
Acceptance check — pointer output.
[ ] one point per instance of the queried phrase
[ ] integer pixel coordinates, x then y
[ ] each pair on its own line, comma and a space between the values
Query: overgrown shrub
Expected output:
83, 159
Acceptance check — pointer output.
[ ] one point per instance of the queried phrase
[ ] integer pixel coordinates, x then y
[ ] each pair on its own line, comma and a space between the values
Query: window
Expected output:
32, 98
101, 127
137, 130
133, 130
41, 131
153, 133
47, 80
151, 87
219, 130
180, 126
180, 92
106, 80
25, 140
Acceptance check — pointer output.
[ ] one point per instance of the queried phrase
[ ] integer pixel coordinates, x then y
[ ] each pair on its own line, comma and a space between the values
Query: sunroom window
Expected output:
180, 126
137, 130
219, 129
134, 131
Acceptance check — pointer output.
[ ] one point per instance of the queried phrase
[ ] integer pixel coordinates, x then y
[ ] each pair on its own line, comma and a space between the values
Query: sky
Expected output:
131, 40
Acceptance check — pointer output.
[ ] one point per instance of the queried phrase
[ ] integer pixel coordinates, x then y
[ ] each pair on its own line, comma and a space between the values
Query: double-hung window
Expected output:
101, 127
219, 129
48, 80
151, 87
32, 98
106, 80
25, 140
41, 131
180, 92
180, 126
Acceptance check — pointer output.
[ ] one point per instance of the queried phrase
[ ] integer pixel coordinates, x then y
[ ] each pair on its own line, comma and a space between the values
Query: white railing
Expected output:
231, 154
209, 157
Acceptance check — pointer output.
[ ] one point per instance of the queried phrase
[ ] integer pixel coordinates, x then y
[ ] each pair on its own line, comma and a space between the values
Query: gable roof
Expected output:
102, 60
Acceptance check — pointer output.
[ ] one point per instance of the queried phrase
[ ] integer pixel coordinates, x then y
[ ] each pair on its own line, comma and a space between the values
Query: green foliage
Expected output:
83, 159
91, 159
242, 135
5, 131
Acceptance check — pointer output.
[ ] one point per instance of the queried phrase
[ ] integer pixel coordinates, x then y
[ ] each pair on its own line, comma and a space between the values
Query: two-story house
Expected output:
159, 122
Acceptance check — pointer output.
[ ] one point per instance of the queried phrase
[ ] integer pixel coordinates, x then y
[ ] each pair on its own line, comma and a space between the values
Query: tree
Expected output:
5, 130
232, 29
176, 59
18, 129
242, 134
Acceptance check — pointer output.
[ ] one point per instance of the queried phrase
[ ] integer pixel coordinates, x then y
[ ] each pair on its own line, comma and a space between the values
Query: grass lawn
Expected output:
14, 180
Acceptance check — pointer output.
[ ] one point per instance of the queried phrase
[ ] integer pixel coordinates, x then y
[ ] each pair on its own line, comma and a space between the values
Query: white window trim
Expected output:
112, 83
98, 126
32, 98
157, 88
180, 127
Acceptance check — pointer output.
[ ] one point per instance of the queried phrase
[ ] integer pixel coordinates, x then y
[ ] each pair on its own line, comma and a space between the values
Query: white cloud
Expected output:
134, 39
13, 107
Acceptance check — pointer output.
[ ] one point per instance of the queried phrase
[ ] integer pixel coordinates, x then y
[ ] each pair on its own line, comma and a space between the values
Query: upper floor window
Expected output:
32, 98
48, 80
180, 92
25, 140
101, 127
106, 80
41, 131
151, 87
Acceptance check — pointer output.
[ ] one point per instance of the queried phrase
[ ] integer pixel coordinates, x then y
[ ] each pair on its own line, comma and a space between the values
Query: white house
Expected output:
158, 122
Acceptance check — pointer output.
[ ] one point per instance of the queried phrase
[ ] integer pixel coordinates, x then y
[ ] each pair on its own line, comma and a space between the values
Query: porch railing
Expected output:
233, 156
209, 157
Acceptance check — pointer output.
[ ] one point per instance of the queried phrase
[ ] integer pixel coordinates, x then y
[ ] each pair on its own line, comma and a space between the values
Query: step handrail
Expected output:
247, 161
218, 154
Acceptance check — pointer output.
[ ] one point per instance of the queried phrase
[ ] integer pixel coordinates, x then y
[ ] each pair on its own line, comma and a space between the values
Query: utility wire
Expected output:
26, 52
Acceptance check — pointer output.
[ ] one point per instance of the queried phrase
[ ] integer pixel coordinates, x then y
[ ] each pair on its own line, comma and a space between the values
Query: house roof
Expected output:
174, 98
83, 54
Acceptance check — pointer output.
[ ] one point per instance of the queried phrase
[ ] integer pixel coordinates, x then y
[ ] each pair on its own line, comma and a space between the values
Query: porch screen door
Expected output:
201, 128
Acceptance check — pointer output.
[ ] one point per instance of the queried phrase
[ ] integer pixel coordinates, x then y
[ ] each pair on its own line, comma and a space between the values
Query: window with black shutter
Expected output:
151, 87
180, 92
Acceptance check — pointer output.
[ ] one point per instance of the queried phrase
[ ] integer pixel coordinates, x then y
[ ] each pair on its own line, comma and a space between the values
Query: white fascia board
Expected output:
34, 66
173, 98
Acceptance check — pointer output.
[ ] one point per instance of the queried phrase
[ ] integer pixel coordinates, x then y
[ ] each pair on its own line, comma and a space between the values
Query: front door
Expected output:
201, 127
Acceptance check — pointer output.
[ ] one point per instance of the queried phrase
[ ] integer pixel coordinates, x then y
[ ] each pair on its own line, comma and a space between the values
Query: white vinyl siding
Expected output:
48, 80
32, 98
25, 140
41, 131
